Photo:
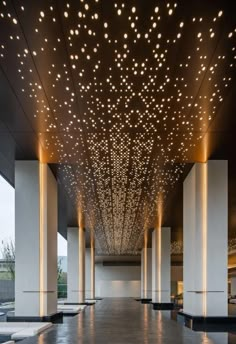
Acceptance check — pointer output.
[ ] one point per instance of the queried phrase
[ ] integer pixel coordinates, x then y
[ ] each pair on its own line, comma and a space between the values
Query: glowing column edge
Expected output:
92, 268
204, 237
42, 224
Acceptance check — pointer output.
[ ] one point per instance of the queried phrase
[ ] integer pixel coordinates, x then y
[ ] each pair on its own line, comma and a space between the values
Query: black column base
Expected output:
160, 306
96, 298
208, 324
79, 303
53, 318
146, 300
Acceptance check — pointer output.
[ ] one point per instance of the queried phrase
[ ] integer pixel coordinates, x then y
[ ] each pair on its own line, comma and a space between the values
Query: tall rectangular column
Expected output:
81, 264
146, 275
205, 239
73, 265
87, 273
161, 269
35, 241
76, 265
90, 273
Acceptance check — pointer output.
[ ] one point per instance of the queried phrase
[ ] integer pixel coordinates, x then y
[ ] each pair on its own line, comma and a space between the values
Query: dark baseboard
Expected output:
163, 306
146, 300
54, 318
208, 324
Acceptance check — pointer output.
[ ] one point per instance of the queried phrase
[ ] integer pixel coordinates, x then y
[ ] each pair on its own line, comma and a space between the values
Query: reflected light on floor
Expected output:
145, 324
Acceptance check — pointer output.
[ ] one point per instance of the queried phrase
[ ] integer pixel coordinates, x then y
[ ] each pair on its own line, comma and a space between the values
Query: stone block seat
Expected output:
70, 309
20, 330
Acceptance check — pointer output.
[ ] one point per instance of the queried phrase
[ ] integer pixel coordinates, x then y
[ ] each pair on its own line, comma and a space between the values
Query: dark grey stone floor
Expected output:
121, 321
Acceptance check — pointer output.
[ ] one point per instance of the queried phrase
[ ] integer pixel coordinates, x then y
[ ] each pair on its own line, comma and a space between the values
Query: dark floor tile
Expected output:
121, 321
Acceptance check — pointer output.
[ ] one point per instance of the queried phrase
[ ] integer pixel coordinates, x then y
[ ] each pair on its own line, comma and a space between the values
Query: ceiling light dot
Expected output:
66, 14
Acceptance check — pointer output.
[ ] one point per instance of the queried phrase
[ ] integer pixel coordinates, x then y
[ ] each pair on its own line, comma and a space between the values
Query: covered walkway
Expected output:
124, 320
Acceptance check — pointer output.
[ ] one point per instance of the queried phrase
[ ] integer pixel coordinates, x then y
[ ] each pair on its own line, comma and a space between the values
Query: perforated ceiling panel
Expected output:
121, 95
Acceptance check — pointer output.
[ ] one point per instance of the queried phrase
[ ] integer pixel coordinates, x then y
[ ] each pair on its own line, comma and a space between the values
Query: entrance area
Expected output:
125, 321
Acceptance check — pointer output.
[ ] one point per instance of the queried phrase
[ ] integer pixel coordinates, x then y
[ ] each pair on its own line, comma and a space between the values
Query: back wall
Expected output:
117, 281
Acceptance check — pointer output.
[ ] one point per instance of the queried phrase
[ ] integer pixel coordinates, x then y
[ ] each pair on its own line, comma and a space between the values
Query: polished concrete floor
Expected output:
121, 321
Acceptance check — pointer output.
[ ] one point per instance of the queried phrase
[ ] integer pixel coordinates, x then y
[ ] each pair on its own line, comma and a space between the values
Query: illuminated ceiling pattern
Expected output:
121, 95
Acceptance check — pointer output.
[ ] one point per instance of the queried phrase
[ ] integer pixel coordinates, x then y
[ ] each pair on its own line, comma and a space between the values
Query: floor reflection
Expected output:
145, 324
126, 321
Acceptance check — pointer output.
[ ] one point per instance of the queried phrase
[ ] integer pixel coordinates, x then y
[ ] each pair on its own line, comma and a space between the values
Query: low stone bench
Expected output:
23, 330
70, 309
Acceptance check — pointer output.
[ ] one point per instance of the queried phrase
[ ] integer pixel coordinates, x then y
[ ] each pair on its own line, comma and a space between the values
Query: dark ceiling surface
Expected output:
120, 98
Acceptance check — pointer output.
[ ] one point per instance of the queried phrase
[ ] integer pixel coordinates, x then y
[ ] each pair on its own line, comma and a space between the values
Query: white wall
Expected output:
117, 281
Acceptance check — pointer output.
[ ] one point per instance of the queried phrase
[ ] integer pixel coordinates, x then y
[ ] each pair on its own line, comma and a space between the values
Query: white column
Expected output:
76, 265
146, 273
35, 239
92, 273
81, 265
161, 265
73, 265
205, 239
88, 273
233, 285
